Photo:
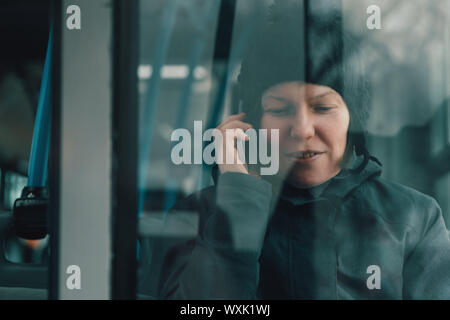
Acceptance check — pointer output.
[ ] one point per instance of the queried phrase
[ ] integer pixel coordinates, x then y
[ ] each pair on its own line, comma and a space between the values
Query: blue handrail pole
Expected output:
182, 110
37, 165
152, 97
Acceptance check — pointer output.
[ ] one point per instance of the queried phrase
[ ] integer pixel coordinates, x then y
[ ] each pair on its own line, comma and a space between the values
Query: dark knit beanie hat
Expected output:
304, 41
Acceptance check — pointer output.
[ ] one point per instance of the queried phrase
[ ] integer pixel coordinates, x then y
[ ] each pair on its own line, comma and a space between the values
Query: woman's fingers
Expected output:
233, 117
235, 124
240, 134
235, 130
232, 129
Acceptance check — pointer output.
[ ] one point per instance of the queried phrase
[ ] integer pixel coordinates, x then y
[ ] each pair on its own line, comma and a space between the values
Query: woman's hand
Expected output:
226, 147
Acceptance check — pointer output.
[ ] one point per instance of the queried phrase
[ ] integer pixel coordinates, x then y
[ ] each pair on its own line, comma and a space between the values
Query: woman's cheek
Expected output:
270, 123
343, 136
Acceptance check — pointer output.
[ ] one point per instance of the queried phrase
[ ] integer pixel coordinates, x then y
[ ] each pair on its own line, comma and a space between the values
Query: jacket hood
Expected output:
348, 179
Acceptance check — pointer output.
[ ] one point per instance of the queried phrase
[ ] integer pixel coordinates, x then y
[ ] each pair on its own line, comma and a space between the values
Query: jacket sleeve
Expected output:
427, 268
221, 261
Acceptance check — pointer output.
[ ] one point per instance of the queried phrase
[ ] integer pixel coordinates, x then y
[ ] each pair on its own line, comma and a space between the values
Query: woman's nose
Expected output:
302, 126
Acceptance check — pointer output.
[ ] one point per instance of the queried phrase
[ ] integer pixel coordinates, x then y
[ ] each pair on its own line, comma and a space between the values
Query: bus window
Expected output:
23, 261
348, 101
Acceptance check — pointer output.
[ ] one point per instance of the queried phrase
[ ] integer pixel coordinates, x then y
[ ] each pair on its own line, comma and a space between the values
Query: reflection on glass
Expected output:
358, 120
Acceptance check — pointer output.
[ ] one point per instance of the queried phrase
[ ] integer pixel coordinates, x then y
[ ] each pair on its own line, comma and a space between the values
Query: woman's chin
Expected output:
306, 181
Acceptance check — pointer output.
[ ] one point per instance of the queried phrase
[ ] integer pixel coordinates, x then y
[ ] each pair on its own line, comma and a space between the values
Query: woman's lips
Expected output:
306, 156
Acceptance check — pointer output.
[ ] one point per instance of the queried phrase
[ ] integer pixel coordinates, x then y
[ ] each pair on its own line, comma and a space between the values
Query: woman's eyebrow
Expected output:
321, 95
278, 98
288, 101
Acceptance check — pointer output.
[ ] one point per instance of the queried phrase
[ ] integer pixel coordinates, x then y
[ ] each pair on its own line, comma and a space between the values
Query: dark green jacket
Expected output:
331, 242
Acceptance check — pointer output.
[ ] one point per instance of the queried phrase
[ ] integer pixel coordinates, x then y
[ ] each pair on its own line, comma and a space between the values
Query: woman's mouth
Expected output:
304, 156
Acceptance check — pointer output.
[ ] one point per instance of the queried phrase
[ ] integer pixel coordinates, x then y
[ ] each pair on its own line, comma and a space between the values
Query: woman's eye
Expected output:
322, 108
280, 112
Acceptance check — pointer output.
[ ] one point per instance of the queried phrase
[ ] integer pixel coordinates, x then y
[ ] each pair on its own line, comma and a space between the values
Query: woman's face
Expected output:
313, 121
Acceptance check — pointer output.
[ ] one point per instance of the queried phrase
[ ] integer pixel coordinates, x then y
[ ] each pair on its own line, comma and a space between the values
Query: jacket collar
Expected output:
339, 186
347, 180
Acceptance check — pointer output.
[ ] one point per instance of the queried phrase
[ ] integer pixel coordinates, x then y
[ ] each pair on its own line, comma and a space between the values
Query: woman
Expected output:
326, 226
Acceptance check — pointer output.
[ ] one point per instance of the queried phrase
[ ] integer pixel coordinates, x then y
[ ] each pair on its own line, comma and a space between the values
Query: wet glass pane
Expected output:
294, 150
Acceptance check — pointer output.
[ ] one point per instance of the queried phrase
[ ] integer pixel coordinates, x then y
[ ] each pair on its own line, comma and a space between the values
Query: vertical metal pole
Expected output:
220, 68
125, 129
54, 156
82, 156
2, 188
221, 58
